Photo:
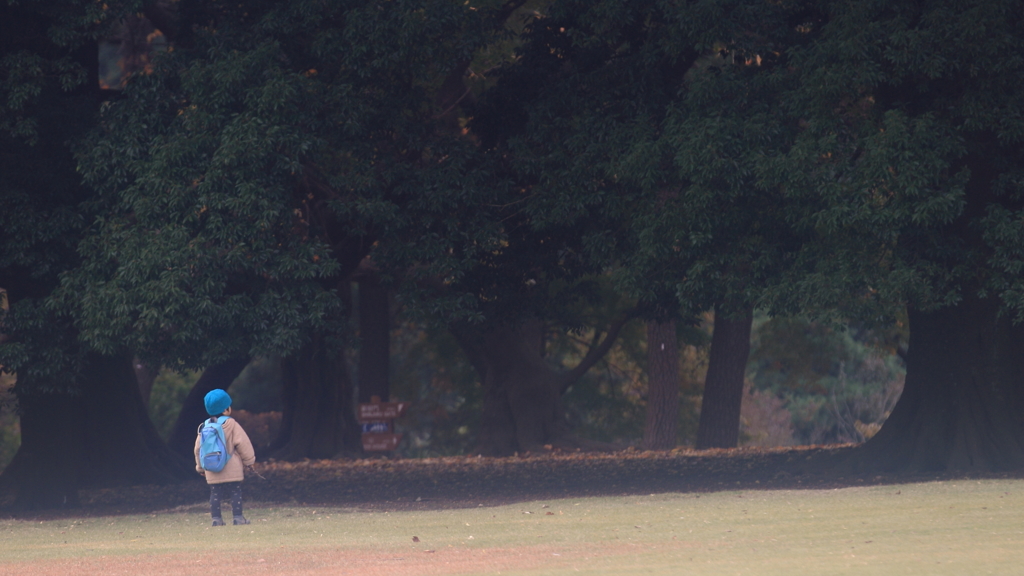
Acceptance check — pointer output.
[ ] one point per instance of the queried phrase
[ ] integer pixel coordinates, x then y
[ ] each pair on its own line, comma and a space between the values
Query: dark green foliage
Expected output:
837, 159
44, 59
429, 370
838, 383
258, 388
797, 156
913, 139
640, 120
840, 159
244, 179
46, 101
169, 392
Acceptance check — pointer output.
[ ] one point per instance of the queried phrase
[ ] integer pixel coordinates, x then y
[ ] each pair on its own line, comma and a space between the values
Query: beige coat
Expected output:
241, 451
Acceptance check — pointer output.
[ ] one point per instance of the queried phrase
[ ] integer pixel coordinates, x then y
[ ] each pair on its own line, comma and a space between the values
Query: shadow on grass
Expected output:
461, 482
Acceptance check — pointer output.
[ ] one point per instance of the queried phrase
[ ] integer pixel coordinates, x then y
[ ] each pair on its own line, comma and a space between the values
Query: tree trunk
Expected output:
100, 437
45, 471
183, 436
375, 339
962, 407
662, 386
318, 419
723, 387
522, 398
522, 407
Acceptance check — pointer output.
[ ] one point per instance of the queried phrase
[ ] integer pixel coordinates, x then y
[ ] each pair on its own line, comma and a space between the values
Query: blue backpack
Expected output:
213, 449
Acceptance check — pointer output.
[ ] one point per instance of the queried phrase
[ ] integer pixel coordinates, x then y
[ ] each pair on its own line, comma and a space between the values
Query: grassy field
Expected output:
959, 527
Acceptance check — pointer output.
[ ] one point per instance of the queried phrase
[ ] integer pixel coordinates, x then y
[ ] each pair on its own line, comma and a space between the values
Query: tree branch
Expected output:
453, 90
595, 353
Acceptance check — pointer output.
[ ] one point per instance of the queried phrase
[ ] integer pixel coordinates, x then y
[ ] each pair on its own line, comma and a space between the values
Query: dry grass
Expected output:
953, 527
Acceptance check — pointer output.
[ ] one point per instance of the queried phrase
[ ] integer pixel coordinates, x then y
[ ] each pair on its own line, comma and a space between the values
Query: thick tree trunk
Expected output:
719, 425
522, 398
522, 393
662, 386
101, 437
375, 339
318, 419
962, 407
45, 471
183, 436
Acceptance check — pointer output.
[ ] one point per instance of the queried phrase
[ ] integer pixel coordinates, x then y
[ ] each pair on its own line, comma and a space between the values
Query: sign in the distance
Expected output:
377, 411
380, 442
376, 427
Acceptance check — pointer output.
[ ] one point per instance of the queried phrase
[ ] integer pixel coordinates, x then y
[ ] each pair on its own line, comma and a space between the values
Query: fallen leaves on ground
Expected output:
470, 481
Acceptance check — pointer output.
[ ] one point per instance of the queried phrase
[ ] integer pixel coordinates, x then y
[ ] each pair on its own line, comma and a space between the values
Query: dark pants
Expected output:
219, 491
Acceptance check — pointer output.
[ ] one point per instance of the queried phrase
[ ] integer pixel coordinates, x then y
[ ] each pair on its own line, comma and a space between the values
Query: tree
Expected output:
833, 158
723, 387
651, 119
71, 399
374, 338
283, 144
318, 419
913, 146
713, 155
897, 171
522, 407
98, 436
662, 386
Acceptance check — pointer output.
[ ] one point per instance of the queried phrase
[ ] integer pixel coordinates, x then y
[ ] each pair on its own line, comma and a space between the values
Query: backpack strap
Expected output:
213, 420
221, 420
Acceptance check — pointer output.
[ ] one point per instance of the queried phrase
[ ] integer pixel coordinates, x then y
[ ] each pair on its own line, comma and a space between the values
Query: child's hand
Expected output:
252, 469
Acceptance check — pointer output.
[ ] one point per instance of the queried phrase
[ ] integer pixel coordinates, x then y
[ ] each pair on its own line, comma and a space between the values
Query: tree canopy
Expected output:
503, 164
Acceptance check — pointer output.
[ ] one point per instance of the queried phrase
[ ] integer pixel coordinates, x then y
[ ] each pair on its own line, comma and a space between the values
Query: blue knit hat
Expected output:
216, 401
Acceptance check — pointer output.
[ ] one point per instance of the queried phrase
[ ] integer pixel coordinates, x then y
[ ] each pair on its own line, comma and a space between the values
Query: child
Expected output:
228, 480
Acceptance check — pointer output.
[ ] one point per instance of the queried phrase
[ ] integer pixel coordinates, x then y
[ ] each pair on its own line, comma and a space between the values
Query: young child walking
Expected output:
229, 480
